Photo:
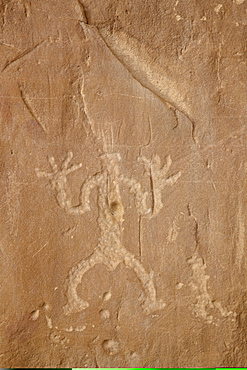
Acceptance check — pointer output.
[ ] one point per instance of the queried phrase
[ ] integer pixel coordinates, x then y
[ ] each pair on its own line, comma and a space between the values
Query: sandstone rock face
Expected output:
123, 177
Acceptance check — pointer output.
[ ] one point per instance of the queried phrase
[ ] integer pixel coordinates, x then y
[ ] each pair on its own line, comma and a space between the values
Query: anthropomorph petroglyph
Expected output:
199, 284
109, 249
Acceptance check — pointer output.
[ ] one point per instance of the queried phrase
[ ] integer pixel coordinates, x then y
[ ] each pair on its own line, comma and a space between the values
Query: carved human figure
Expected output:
109, 249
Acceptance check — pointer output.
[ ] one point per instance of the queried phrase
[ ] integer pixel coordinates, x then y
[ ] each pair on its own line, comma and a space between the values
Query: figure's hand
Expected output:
57, 174
154, 169
161, 173
158, 174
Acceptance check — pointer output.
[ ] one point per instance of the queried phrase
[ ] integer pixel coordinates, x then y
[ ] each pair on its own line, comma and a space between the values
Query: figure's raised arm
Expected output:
159, 179
58, 179
139, 195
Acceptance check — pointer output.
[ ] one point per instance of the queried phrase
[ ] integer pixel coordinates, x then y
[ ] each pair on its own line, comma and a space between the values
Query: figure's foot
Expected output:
152, 306
75, 306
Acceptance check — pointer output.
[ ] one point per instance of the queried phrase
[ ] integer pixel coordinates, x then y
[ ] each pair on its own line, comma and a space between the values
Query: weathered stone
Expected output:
123, 166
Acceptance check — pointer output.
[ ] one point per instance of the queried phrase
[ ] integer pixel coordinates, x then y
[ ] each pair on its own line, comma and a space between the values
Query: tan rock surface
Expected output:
123, 177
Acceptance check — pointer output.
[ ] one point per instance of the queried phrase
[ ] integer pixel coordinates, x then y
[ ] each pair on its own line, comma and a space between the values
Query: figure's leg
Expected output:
150, 303
76, 304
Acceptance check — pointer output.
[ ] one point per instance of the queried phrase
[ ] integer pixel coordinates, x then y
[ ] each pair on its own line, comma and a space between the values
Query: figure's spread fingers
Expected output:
52, 163
73, 168
42, 174
67, 160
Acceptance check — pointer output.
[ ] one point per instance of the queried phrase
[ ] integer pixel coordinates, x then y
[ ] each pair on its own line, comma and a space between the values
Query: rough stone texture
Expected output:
159, 227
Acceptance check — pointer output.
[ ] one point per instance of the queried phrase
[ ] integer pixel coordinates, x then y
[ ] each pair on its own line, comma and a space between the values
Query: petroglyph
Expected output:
80, 328
240, 242
58, 339
53, 327
174, 229
34, 315
159, 179
104, 314
204, 302
107, 296
111, 347
49, 322
109, 250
